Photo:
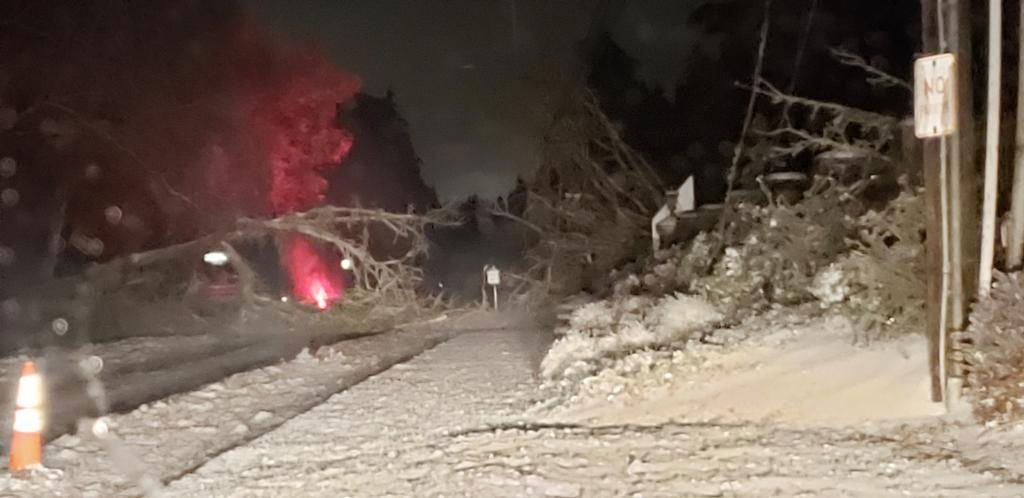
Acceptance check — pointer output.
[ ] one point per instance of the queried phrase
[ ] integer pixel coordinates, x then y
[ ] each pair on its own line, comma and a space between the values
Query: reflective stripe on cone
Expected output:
28, 420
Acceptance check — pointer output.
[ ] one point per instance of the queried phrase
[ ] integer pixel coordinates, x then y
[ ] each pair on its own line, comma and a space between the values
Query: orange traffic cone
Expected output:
27, 438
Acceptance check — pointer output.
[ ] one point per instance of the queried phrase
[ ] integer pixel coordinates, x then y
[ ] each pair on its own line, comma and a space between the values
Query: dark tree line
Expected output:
382, 169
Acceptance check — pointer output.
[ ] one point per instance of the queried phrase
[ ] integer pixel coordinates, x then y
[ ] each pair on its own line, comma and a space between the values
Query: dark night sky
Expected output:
469, 74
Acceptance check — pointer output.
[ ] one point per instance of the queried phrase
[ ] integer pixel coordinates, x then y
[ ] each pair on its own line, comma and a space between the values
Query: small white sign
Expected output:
685, 200
493, 276
935, 96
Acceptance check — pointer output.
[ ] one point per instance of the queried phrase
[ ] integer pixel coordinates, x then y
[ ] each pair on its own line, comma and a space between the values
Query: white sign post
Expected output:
935, 116
492, 276
935, 103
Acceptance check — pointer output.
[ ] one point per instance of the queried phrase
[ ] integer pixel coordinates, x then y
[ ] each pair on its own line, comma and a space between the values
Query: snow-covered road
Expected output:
385, 436
461, 420
426, 428
161, 441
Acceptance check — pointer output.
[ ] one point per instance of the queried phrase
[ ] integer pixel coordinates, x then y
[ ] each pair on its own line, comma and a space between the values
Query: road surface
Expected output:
461, 419
444, 424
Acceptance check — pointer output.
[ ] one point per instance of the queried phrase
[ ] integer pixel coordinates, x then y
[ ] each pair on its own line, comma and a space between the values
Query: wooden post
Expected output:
988, 214
931, 150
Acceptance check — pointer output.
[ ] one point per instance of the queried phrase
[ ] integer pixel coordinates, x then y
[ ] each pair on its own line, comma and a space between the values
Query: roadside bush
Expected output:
996, 351
882, 275
602, 333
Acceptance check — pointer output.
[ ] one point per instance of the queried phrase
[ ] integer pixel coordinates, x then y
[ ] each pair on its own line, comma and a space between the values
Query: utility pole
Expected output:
963, 188
962, 204
988, 214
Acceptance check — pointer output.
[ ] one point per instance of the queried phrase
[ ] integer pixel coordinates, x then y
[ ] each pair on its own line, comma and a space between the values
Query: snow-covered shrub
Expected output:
632, 324
996, 351
634, 335
882, 275
678, 317
592, 317
573, 348
774, 253
635, 304
830, 286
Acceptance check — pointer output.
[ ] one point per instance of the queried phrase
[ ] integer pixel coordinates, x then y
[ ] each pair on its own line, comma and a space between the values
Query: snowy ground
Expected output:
454, 422
137, 370
780, 367
158, 442
385, 436
463, 420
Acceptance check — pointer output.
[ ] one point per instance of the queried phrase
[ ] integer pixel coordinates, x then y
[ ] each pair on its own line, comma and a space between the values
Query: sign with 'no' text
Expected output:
935, 96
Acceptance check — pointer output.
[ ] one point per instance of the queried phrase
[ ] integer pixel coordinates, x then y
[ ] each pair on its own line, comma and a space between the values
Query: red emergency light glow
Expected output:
304, 142
315, 280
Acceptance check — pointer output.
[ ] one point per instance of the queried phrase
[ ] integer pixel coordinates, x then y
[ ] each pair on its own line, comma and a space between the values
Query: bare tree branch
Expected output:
808, 141
875, 76
776, 96
502, 212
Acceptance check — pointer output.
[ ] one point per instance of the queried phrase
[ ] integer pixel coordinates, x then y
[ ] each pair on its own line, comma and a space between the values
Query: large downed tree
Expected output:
117, 299
360, 234
589, 202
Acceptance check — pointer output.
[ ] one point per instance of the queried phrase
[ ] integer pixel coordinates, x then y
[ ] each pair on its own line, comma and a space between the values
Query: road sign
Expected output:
935, 96
493, 276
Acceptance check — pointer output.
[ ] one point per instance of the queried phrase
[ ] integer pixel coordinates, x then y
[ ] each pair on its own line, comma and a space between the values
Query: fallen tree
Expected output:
588, 204
118, 298
351, 231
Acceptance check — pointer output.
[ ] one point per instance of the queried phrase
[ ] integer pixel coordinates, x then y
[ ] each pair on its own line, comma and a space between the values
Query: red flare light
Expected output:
314, 281
319, 294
